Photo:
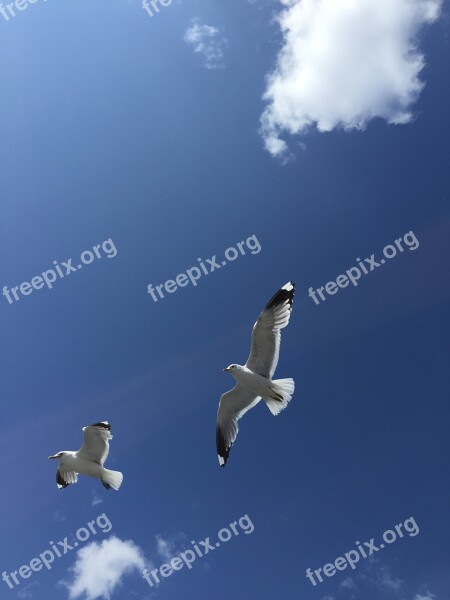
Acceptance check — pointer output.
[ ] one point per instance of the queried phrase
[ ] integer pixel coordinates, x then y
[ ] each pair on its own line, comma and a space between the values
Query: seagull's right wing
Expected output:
96, 442
232, 406
266, 335
64, 477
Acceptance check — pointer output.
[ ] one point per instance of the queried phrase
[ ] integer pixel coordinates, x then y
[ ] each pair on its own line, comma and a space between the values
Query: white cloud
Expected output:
343, 64
28, 591
381, 577
376, 576
348, 584
386, 580
167, 547
100, 568
59, 517
96, 500
209, 42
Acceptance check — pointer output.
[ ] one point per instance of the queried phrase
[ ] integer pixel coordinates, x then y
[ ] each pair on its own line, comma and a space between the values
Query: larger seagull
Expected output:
89, 459
254, 380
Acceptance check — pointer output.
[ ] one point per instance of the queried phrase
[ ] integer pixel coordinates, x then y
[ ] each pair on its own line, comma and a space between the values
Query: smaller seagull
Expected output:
89, 459
254, 380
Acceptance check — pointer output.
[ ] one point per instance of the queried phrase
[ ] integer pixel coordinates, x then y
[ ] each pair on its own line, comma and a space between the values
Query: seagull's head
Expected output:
58, 455
232, 368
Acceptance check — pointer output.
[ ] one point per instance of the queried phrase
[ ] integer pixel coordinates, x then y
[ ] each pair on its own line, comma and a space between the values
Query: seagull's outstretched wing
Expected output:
64, 477
96, 442
232, 406
266, 333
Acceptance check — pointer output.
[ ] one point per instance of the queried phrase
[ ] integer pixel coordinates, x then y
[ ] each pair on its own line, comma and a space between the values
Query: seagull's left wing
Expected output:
266, 335
96, 442
233, 405
64, 477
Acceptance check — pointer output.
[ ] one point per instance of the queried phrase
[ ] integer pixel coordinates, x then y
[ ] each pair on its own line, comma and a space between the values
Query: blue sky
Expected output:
146, 131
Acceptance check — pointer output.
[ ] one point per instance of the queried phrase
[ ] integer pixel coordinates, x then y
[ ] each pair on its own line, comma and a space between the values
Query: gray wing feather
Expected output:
233, 405
96, 442
266, 335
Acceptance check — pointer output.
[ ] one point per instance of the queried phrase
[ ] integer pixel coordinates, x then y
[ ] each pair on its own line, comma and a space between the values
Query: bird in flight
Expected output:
89, 459
254, 380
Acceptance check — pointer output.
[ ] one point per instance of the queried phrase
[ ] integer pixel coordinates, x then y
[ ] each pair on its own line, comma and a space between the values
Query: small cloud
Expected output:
27, 592
100, 568
349, 584
167, 548
386, 580
381, 577
209, 42
343, 64
374, 576
96, 500
59, 517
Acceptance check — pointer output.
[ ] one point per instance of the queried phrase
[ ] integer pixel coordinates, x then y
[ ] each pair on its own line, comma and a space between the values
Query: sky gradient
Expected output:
146, 131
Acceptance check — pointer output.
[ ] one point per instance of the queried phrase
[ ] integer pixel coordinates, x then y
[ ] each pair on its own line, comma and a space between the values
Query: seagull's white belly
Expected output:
252, 381
83, 466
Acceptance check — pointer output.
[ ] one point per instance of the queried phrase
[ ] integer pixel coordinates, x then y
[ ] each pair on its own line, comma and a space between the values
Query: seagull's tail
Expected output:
112, 479
282, 393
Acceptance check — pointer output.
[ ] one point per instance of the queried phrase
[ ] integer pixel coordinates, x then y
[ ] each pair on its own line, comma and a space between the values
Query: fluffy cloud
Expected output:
96, 500
165, 548
387, 581
100, 567
349, 584
168, 547
207, 41
372, 577
343, 64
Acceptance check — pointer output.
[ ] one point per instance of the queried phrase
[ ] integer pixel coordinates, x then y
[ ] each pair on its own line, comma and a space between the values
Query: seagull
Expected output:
254, 380
89, 459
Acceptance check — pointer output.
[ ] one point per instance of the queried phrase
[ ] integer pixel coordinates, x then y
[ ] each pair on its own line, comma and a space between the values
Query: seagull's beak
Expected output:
54, 456
227, 369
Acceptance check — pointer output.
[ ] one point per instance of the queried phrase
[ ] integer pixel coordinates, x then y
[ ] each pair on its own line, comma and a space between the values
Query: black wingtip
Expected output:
106, 485
222, 449
284, 294
60, 481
